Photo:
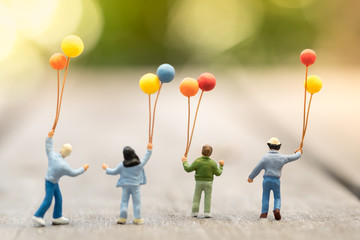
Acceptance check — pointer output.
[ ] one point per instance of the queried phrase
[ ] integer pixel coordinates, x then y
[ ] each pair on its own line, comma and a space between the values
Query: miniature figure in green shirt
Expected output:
205, 169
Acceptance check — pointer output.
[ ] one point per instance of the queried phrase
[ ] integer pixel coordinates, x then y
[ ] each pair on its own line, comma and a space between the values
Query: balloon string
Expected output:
197, 110
57, 98
62, 91
149, 119
153, 120
188, 129
304, 116
307, 119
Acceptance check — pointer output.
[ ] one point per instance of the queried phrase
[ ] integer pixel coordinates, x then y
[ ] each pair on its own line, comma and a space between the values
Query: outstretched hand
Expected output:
184, 159
250, 180
299, 149
86, 166
149, 146
105, 166
51, 133
221, 162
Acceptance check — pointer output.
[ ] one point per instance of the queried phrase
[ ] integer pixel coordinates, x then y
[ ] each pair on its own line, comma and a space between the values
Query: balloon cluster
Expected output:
312, 84
151, 83
189, 87
72, 46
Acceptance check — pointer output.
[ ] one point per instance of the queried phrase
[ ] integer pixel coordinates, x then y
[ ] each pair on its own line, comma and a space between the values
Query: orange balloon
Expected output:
58, 61
189, 87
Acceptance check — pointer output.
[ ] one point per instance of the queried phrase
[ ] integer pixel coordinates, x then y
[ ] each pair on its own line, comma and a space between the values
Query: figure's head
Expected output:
66, 150
274, 143
130, 157
207, 150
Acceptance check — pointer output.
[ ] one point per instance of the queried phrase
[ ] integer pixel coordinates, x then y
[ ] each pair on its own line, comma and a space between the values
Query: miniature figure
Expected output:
272, 163
205, 169
57, 167
132, 175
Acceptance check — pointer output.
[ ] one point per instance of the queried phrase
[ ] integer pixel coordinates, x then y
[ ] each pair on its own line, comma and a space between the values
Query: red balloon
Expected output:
307, 57
58, 61
206, 81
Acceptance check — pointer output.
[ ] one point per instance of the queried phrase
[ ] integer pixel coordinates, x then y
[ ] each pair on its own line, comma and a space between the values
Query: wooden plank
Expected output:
99, 118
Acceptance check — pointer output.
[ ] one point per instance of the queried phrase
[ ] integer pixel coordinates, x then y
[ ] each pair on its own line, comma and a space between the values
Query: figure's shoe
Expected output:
277, 214
207, 215
121, 221
263, 215
194, 214
60, 221
39, 221
138, 221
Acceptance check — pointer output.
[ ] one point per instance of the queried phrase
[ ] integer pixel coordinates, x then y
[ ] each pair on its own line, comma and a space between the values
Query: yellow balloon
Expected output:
314, 84
72, 46
149, 83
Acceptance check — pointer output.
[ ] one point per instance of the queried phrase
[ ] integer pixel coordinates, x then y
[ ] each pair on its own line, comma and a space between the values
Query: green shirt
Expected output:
204, 167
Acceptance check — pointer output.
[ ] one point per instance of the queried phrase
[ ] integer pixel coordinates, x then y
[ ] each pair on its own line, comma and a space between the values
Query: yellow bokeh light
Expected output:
292, 3
213, 25
7, 32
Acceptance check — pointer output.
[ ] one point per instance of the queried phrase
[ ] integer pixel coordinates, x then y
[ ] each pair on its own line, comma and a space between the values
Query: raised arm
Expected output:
186, 166
49, 143
146, 158
293, 157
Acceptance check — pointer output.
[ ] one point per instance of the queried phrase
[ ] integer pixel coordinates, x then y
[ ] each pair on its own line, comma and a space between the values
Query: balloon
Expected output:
166, 73
206, 81
72, 46
189, 87
58, 61
149, 83
307, 57
314, 84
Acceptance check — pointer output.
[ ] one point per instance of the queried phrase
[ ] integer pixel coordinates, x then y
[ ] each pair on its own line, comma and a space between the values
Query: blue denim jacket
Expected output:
272, 163
131, 176
57, 166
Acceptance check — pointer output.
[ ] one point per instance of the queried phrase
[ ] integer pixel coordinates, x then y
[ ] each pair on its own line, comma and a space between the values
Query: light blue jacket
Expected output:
272, 162
57, 166
131, 176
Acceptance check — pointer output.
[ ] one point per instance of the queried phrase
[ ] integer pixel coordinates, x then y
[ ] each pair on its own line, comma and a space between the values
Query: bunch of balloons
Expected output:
151, 83
189, 88
313, 84
72, 46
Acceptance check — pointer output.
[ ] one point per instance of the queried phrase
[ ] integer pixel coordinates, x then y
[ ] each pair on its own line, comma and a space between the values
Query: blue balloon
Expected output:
166, 73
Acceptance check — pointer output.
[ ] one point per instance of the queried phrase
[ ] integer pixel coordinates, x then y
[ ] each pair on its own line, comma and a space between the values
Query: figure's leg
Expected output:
136, 197
277, 199
124, 202
265, 197
58, 202
207, 198
196, 199
49, 193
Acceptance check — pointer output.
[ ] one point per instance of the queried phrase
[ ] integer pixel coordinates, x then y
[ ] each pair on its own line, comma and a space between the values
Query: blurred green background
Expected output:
222, 33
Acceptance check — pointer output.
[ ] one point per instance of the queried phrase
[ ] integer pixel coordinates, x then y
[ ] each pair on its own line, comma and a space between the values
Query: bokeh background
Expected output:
251, 46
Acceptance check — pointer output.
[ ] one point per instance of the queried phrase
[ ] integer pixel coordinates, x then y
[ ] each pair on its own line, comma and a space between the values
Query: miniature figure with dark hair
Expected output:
205, 168
272, 163
132, 175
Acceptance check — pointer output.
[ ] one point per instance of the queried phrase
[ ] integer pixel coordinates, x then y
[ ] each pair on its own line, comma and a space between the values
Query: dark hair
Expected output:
274, 146
130, 157
207, 150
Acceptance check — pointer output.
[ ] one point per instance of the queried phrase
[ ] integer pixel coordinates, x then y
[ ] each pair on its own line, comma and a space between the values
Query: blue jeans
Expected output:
271, 183
134, 191
51, 190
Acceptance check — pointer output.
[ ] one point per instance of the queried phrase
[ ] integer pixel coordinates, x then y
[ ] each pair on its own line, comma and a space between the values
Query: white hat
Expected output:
274, 141
66, 150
